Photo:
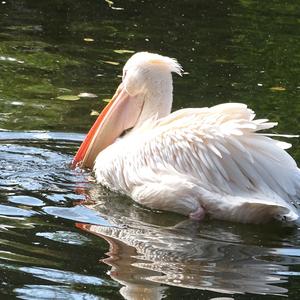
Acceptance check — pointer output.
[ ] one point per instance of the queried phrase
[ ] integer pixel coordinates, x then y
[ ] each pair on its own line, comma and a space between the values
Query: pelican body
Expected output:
193, 161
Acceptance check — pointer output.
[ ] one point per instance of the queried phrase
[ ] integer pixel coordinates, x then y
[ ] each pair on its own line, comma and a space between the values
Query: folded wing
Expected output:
222, 149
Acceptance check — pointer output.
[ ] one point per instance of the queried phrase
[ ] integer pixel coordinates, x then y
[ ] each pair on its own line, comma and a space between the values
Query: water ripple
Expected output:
42, 200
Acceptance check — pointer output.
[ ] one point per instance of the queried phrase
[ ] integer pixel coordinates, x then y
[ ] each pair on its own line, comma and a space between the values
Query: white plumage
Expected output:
197, 160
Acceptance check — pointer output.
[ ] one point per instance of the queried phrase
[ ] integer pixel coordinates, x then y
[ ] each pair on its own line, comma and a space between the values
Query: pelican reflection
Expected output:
150, 251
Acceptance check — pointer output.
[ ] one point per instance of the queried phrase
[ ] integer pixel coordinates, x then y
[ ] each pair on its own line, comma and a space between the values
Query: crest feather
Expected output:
144, 58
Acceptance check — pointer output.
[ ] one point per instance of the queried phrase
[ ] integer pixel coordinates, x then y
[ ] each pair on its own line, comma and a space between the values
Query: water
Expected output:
64, 237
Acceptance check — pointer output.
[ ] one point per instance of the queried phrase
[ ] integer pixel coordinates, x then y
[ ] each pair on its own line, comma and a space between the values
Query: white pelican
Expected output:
192, 161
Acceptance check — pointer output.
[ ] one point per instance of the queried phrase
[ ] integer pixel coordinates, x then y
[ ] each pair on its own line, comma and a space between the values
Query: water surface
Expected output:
63, 236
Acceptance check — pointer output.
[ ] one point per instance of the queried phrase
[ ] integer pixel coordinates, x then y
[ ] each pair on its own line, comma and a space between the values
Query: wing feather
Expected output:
220, 147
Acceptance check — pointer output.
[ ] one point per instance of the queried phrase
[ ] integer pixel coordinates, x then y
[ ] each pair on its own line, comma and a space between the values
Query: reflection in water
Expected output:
206, 256
42, 257
36, 161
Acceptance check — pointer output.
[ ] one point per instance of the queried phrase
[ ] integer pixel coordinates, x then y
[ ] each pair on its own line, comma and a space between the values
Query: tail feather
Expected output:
256, 212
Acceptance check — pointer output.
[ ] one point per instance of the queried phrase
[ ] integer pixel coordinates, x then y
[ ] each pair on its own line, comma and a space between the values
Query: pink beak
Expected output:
120, 114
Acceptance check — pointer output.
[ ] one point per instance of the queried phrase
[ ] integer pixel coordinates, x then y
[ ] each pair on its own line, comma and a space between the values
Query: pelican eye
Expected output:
124, 74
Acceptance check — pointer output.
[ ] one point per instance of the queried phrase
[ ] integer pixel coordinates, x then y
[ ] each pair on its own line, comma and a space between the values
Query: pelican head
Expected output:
146, 91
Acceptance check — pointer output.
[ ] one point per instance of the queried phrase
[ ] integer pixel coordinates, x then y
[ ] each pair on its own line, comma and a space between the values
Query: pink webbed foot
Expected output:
198, 214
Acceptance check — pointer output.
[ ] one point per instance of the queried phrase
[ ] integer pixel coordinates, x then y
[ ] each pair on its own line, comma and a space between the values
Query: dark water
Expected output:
64, 237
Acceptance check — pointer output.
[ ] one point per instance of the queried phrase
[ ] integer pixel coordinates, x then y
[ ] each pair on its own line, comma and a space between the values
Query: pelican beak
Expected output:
120, 113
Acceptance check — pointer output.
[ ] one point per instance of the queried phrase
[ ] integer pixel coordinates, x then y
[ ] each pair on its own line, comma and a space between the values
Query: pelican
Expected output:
194, 161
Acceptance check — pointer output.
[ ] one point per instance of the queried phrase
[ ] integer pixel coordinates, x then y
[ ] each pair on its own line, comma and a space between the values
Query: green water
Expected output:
53, 247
